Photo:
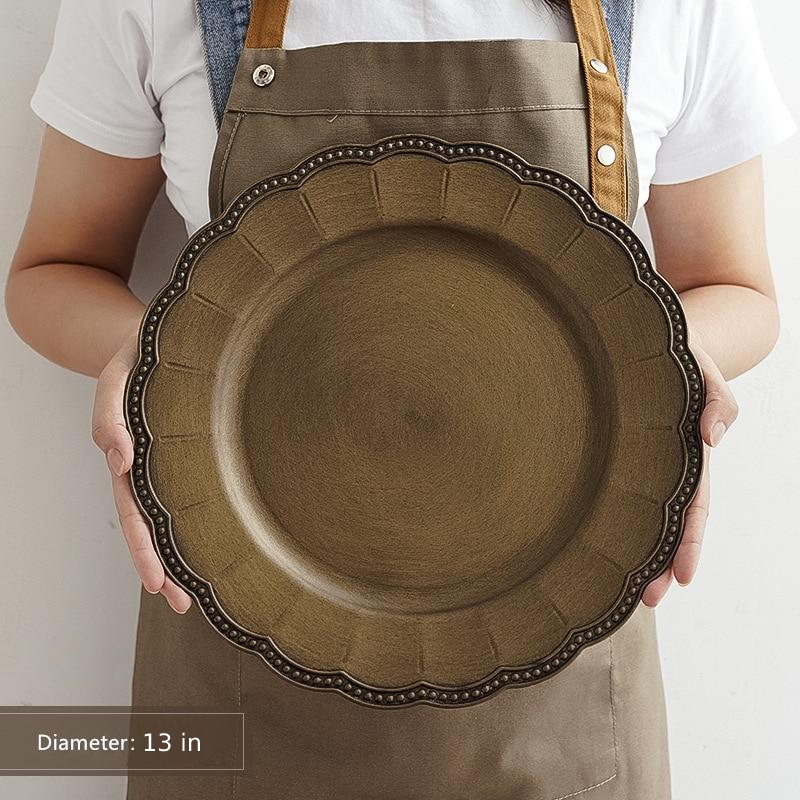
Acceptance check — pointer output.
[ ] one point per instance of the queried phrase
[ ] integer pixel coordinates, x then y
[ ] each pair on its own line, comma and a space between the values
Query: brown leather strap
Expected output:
604, 92
267, 23
606, 107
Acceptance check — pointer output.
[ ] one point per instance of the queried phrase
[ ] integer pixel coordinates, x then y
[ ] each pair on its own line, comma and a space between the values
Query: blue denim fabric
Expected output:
619, 19
224, 25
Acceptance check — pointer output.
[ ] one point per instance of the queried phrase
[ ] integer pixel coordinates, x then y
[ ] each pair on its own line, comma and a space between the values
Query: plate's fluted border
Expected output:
503, 676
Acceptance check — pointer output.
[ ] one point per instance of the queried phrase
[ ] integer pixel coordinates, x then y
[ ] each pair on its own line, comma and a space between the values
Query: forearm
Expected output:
737, 326
74, 315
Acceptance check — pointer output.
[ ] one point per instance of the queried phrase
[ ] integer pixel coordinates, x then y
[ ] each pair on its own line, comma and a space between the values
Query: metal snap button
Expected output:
606, 155
598, 66
263, 75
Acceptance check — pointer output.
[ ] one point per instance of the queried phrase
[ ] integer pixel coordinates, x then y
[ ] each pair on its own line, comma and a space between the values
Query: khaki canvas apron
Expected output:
595, 730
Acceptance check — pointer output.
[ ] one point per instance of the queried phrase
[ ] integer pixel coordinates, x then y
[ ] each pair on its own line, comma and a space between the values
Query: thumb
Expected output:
721, 409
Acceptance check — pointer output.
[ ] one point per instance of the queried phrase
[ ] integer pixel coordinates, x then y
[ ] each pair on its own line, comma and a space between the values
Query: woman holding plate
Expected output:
659, 105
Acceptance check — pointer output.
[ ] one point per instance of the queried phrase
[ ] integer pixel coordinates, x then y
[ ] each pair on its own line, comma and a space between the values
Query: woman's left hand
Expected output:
719, 414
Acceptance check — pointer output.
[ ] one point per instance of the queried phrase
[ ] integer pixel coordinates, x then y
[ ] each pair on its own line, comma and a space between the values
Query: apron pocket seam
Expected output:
235, 786
613, 731
587, 788
611, 700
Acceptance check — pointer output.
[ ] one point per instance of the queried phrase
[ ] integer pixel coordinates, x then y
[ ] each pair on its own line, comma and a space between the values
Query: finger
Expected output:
109, 431
137, 536
687, 557
178, 599
721, 409
655, 591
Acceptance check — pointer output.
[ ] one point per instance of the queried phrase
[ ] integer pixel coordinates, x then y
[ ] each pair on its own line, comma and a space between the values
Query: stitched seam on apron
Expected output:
224, 163
239, 707
611, 699
613, 731
587, 789
406, 111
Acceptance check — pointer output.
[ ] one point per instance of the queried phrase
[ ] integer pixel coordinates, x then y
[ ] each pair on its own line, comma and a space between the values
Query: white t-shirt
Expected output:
128, 77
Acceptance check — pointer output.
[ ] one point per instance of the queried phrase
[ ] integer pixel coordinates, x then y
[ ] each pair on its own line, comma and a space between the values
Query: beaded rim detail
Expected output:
502, 677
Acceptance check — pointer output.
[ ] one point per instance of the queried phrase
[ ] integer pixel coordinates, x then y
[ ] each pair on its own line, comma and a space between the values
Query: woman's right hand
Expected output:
67, 296
111, 435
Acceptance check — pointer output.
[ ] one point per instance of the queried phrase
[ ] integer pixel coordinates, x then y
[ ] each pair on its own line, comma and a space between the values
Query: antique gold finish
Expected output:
415, 421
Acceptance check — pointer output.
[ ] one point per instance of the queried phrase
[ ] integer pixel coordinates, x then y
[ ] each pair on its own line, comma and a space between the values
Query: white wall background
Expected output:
68, 597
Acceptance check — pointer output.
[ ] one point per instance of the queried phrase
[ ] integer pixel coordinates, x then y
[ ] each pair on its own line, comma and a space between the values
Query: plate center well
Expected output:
422, 418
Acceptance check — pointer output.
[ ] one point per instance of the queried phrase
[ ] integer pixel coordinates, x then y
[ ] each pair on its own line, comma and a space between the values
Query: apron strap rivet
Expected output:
263, 75
606, 155
598, 66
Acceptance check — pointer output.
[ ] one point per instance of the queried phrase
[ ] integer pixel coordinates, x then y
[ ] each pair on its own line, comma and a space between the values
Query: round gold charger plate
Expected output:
415, 422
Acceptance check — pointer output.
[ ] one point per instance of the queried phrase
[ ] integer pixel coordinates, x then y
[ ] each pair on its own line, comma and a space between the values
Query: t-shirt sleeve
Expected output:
97, 85
732, 110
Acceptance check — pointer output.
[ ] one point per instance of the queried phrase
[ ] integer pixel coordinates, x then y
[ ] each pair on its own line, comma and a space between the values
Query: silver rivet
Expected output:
598, 66
263, 75
606, 155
